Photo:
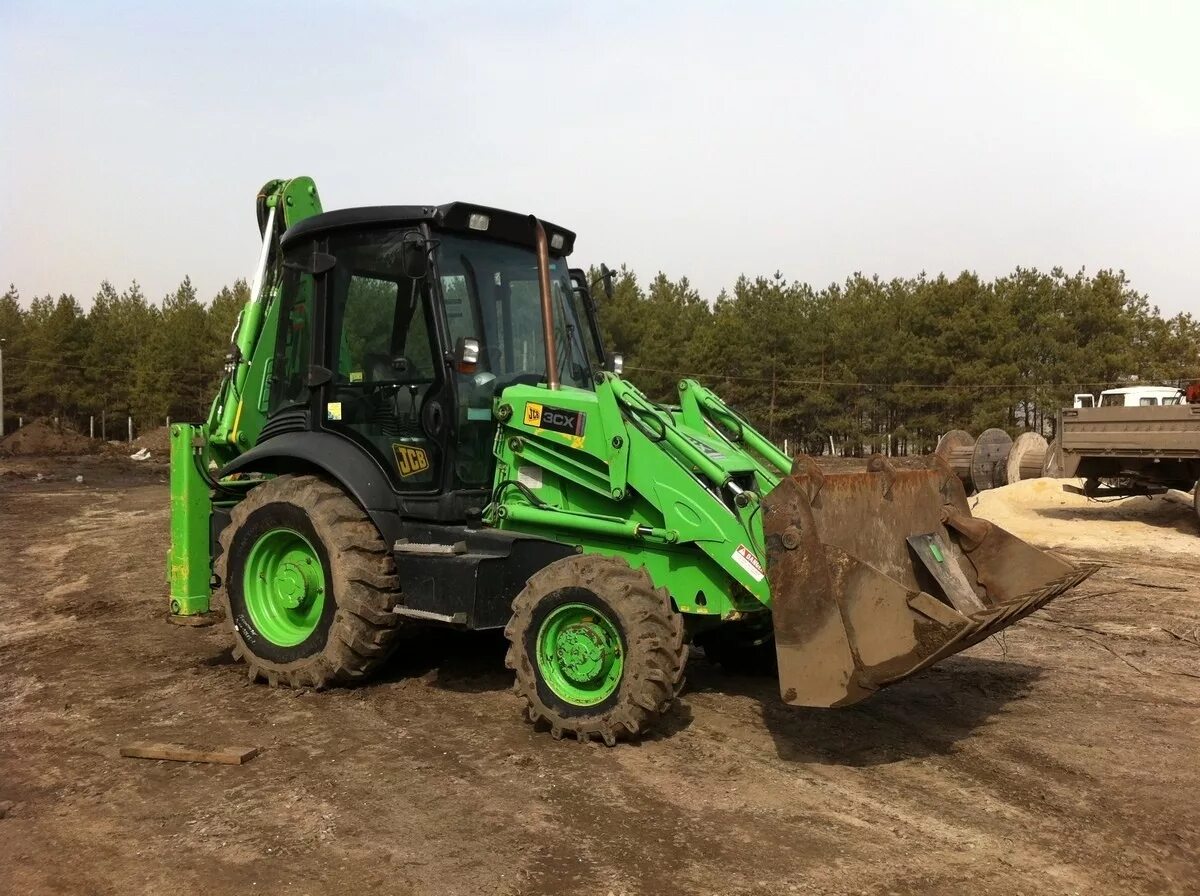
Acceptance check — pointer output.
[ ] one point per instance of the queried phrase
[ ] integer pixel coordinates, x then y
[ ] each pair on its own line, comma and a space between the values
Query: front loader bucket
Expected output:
877, 575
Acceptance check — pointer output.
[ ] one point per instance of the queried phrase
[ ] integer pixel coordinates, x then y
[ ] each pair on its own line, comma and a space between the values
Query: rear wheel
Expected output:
597, 651
307, 585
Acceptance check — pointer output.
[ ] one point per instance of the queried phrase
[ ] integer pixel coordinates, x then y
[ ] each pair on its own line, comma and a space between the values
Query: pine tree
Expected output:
13, 347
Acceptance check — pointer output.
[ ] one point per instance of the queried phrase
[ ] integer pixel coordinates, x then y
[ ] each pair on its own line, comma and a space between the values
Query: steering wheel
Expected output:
382, 372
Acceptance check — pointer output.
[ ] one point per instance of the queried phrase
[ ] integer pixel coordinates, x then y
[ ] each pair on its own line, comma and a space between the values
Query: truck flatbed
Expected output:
1134, 450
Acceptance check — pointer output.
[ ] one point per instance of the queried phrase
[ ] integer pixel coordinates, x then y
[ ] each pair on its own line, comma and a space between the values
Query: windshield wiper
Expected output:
572, 343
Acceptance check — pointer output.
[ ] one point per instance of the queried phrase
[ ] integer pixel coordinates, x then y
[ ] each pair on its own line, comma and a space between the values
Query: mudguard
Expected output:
340, 460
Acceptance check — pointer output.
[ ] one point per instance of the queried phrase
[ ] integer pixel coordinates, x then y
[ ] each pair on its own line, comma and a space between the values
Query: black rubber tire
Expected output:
357, 630
742, 649
653, 635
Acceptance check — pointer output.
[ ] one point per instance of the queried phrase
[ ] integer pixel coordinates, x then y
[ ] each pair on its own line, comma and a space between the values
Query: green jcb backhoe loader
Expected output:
418, 423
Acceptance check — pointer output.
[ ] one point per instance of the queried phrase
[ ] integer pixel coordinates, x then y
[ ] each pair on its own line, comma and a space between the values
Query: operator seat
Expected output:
393, 407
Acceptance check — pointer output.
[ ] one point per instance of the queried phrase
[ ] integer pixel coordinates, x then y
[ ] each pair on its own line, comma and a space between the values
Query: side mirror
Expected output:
466, 354
606, 276
414, 257
615, 363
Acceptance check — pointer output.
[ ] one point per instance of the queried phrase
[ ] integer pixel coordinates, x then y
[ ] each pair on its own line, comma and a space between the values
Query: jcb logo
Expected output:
533, 414
410, 460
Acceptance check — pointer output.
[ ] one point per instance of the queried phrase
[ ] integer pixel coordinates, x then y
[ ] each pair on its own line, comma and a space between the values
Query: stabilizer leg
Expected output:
189, 568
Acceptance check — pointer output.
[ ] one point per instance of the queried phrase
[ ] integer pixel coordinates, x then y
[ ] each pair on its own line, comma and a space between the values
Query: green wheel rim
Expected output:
284, 587
580, 654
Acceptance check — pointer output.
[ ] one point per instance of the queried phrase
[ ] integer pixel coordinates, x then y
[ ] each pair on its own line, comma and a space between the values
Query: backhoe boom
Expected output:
237, 413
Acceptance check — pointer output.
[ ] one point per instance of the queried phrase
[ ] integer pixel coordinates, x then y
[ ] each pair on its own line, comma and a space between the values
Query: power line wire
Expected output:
845, 383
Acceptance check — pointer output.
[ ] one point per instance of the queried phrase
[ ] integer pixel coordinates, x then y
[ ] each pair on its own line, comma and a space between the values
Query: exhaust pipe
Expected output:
543, 263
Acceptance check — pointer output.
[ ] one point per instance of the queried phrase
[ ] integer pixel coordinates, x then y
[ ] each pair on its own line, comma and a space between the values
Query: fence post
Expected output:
92, 426
129, 419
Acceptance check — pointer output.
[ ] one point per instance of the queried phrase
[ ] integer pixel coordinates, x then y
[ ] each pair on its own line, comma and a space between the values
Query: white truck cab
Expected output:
1131, 397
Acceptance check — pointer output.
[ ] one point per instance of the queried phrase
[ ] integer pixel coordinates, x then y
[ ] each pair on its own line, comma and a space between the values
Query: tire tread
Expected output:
364, 630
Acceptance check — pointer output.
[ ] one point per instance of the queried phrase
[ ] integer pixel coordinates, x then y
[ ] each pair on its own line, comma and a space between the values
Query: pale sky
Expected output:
700, 139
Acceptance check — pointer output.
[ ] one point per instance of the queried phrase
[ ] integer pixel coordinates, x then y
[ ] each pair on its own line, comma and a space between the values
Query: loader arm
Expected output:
702, 408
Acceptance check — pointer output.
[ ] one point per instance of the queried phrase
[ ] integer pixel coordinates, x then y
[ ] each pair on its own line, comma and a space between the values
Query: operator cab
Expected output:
399, 325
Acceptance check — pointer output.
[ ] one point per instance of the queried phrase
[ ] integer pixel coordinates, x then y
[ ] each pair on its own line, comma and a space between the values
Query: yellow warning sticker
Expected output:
410, 460
333, 410
356, 376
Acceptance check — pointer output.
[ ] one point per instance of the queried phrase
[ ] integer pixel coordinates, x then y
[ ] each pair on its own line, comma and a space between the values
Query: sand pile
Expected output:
43, 437
1039, 511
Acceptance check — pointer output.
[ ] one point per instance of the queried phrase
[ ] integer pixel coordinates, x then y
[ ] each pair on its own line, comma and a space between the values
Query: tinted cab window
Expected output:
293, 343
383, 356
490, 293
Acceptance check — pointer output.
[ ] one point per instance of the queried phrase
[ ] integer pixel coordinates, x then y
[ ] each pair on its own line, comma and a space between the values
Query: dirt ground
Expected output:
1063, 757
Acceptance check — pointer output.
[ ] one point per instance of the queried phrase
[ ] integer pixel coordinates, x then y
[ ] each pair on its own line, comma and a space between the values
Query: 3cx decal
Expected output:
410, 460
554, 419
708, 451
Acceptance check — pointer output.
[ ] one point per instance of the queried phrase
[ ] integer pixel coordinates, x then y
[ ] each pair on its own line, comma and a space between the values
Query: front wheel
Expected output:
597, 651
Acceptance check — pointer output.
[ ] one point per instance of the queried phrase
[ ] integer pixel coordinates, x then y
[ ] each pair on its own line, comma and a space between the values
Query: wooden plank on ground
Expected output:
180, 753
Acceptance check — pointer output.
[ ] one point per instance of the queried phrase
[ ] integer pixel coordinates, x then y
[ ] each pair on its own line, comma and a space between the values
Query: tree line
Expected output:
889, 365
123, 356
862, 365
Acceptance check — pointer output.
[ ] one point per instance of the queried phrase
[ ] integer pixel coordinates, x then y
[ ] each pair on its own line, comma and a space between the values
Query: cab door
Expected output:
387, 373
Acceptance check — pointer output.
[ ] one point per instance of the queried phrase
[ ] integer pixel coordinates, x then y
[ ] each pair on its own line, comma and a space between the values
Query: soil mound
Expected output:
156, 441
44, 437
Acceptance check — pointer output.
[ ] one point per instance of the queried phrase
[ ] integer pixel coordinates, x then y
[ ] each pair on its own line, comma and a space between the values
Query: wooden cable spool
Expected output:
1027, 459
989, 461
956, 448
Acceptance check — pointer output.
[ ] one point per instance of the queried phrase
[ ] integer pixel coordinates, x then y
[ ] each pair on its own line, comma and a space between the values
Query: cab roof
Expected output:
465, 217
